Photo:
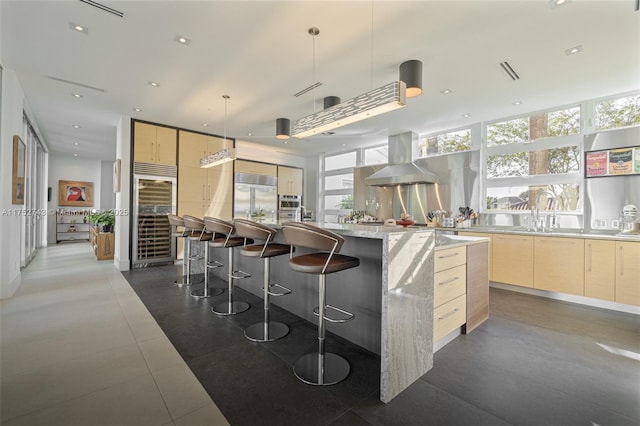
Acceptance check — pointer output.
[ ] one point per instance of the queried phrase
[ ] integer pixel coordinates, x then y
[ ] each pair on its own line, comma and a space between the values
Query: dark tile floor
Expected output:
535, 362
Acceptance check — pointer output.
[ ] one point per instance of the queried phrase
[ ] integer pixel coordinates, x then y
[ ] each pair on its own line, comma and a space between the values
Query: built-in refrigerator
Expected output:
255, 197
154, 196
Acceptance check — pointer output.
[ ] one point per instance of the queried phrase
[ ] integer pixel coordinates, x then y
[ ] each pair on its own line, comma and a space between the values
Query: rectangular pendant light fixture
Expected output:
217, 158
375, 102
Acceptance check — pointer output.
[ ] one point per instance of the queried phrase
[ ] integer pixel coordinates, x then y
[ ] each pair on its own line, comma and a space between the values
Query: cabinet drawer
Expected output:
449, 316
449, 284
448, 258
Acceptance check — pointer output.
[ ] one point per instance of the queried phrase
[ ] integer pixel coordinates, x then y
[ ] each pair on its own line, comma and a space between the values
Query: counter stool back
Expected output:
190, 228
224, 238
264, 331
179, 231
321, 368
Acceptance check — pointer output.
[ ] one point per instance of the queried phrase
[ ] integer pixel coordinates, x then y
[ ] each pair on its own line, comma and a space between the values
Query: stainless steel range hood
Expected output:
401, 170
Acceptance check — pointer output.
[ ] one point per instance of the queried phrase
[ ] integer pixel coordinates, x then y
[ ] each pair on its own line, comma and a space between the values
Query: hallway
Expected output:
79, 348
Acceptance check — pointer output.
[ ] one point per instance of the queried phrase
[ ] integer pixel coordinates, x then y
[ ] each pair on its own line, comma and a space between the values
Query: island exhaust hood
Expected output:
401, 170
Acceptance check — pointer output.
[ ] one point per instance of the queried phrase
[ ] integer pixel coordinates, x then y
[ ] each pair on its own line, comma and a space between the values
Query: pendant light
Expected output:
226, 154
283, 128
411, 74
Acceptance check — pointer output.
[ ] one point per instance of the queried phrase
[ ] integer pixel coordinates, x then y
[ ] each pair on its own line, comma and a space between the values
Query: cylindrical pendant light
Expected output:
330, 101
411, 74
283, 128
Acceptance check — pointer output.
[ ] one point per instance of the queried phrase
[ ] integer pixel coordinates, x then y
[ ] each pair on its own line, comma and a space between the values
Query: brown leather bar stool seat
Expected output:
265, 331
321, 368
224, 238
200, 234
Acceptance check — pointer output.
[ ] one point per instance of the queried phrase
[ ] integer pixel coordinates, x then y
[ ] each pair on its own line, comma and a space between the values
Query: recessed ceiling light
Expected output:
445, 91
249, 134
137, 109
183, 40
75, 155
78, 28
573, 50
557, 3
517, 103
76, 143
75, 126
76, 95
467, 115
205, 124
286, 142
154, 84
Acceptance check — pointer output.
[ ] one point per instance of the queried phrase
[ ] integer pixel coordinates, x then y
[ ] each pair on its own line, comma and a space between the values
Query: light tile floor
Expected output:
78, 347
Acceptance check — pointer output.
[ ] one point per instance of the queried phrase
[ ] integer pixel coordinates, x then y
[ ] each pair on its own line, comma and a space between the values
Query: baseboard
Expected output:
7, 291
122, 265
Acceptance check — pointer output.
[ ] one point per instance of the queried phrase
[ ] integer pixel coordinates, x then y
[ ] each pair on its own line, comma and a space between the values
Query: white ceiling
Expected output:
260, 53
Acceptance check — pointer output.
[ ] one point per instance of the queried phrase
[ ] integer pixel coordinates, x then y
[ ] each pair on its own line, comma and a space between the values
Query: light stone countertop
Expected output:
562, 233
444, 242
359, 230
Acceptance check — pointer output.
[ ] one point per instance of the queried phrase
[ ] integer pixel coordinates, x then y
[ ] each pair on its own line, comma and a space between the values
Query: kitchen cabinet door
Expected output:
483, 235
559, 265
192, 147
513, 259
215, 144
477, 286
154, 144
192, 185
628, 272
600, 269
243, 166
289, 181
220, 184
166, 146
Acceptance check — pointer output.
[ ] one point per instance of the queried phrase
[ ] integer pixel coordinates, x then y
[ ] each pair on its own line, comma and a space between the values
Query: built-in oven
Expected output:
288, 206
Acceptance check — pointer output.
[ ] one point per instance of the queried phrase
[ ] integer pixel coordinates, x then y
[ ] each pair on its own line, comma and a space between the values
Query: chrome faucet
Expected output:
540, 224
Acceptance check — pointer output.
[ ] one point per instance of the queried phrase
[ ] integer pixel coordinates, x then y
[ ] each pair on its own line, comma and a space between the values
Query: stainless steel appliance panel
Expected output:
253, 194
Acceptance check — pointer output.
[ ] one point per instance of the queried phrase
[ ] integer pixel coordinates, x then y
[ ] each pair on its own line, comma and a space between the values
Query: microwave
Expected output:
289, 202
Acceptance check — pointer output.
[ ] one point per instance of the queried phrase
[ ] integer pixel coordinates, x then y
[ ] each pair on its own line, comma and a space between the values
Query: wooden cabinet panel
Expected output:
477, 286
192, 147
243, 166
220, 184
483, 235
513, 259
559, 265
448, 258
628, 272
191, 208
215, 144
600, 269
192, 184
448, 317
144, 139
154, 144
289, 181
449, 284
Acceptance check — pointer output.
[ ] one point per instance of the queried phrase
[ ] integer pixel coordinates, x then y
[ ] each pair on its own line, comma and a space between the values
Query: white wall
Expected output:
68, 167
123, 205
10, 225
107, 196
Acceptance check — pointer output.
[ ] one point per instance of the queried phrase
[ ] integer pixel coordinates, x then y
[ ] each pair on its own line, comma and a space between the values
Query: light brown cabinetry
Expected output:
154, 144
252, 167
477, 286
628, 272
600, 269
559, 265
449, 292
203, 192
102, 243
482, 235
512, 259
289, 181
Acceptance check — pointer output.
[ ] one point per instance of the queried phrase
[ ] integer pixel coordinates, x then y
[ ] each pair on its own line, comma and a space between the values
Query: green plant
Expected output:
105, 217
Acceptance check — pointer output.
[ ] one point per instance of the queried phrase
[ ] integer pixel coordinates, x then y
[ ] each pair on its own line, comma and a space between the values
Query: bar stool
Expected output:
223, 232
177, 222
201, 234
264, 331
321, 368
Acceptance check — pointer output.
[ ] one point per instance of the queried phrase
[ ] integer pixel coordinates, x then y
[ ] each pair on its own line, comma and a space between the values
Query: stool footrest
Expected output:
196, 257
284, 290
214, 264
240, 275
348, 315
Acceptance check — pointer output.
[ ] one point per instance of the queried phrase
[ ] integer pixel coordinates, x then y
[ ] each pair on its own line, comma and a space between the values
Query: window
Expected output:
562, 197
445, 143
336, 192
549, 161
618, 112
376, 155
340, 161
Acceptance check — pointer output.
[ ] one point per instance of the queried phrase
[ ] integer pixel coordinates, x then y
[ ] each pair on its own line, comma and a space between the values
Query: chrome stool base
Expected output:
313, 371
266, 332
201, 293
187, 282
230, 308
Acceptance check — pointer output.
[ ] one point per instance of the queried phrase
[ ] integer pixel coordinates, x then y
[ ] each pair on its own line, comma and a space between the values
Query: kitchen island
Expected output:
391, 294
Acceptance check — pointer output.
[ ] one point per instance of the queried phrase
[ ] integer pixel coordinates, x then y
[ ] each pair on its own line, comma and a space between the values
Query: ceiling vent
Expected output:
103, 8
75, 84
506, 67
307, 89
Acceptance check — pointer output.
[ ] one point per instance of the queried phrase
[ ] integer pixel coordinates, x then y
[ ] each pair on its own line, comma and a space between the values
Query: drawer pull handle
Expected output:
448, 255
448, 314
449, 280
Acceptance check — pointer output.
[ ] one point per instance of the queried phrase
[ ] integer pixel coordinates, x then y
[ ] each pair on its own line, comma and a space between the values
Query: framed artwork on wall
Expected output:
74, 193
17, 179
